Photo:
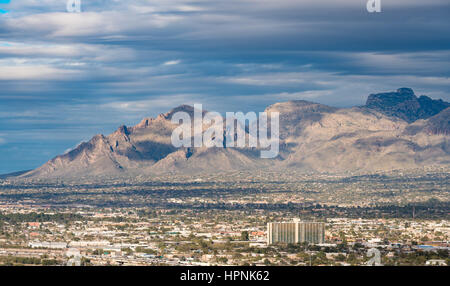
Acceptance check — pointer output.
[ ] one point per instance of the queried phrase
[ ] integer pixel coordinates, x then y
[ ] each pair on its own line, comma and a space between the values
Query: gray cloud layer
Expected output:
65, 77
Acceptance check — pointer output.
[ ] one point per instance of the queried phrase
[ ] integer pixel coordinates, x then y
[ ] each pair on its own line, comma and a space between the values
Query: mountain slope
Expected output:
313, 137
360, 139
436, 125
127, 149
145, 148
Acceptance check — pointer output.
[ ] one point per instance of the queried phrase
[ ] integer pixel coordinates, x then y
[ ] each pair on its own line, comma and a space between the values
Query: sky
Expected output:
65, 77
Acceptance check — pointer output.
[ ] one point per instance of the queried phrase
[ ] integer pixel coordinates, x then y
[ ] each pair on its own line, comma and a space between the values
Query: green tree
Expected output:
244, 235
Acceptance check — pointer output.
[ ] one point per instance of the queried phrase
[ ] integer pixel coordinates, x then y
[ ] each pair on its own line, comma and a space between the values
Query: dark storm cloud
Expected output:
65, 77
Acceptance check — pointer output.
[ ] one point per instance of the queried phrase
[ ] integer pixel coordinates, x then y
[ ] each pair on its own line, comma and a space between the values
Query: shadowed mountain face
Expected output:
405, 105
436, 125
313, 137
440, 123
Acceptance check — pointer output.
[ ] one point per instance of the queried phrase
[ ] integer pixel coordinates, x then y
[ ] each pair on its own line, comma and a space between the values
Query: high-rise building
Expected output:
295, 232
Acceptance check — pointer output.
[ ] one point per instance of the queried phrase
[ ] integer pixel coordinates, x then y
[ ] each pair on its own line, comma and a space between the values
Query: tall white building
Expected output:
295, 232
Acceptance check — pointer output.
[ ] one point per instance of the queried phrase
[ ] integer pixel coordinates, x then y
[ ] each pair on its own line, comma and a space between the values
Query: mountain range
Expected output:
394, 130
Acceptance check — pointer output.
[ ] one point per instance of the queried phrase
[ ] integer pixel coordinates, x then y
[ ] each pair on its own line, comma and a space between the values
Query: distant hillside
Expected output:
15, 174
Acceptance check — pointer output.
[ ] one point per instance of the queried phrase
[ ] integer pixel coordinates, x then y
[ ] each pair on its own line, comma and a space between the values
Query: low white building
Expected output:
45, 244
436, 262
96, 244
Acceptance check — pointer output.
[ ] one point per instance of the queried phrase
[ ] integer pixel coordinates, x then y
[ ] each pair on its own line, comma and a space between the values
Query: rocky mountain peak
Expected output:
405, 91
182, 108
405, 105
123, 130
299, 107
